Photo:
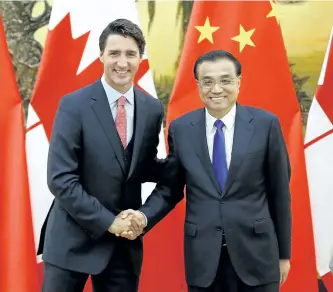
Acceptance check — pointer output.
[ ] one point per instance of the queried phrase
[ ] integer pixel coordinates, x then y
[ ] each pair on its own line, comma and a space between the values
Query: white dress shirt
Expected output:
113, 96
228, 130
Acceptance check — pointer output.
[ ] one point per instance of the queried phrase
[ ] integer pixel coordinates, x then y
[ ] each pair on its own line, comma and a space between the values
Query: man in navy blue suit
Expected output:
233, 161
103, 146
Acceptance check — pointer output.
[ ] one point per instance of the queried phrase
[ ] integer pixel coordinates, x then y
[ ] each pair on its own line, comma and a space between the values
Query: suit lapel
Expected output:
140, 122
199, 135
242, 136
101, 107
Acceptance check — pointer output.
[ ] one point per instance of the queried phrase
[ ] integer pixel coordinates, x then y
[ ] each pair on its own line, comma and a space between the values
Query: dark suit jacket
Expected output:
87, 175
254, 210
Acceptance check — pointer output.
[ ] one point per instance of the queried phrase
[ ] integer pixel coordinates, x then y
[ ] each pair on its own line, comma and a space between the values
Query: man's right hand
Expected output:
138, 217
128, 224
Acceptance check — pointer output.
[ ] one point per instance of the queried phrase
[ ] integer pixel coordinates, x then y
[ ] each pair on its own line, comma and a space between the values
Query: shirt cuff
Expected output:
146, 220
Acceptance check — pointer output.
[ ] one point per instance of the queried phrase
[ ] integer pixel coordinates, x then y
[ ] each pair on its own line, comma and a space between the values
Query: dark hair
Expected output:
216, 55
123, 27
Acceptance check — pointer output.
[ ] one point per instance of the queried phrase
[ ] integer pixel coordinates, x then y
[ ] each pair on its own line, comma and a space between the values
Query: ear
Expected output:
101, 57
239, 82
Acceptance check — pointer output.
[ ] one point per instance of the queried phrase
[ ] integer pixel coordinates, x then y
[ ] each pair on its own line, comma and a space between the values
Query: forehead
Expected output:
121, 43
217, 68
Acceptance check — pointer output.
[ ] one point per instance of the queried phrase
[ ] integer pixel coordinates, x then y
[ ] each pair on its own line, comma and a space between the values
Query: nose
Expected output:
216, 88
122, 62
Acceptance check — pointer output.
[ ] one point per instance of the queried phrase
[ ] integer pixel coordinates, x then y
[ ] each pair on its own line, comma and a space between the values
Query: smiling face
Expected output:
121, 59
218, 86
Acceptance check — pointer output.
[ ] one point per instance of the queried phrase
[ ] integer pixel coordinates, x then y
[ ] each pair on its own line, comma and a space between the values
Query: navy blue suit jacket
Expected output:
253, 210
87, 174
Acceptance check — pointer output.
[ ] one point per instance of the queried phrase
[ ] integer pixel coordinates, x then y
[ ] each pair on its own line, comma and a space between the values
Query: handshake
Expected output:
128, 224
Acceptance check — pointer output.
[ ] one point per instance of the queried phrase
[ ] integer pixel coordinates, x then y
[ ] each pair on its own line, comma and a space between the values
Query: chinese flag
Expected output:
251, 32
17, 250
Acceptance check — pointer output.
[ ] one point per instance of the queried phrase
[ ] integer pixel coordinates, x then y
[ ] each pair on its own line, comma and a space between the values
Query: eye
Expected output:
131, 54
207, 82
225, 81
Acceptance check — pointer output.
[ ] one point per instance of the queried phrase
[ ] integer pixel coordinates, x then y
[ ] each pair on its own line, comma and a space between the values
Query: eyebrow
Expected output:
118, 51
221, 76
131, 51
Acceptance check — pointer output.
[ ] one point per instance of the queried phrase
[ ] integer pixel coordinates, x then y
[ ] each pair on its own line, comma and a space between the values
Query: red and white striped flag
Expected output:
70, 61
319, 162
18, 270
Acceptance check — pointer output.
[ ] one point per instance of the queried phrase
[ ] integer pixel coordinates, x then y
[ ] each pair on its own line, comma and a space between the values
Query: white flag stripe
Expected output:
40, 195
319, 164
319, 161
318, 122
32, 118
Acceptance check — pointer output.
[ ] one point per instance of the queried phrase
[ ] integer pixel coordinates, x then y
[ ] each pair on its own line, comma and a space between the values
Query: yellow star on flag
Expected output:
274, 12
244, 38
206, 31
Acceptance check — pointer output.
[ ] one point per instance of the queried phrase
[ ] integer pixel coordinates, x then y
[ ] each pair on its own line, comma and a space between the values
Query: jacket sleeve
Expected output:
63, 173
279, 199
153, 165
169, 190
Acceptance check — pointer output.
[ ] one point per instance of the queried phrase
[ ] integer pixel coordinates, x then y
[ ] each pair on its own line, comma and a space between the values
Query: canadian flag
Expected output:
71, 60
319, 161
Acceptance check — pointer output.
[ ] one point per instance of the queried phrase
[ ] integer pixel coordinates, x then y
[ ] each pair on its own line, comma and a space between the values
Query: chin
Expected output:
220, 107
122, 82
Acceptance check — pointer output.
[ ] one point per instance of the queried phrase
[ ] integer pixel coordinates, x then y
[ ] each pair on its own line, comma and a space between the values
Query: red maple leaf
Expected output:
57, 75
143, 69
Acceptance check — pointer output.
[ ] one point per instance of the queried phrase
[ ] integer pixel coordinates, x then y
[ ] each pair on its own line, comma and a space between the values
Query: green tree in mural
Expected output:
303, 98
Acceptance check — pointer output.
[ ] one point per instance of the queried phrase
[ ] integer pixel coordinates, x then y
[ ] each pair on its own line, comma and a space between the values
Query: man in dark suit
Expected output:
234, 163
103, 146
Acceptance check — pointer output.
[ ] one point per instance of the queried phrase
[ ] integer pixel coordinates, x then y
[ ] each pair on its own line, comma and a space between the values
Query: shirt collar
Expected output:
113, 95
228, 120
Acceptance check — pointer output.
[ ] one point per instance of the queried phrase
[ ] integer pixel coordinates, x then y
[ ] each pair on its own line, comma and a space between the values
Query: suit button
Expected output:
125, 158
222, 201
218, 228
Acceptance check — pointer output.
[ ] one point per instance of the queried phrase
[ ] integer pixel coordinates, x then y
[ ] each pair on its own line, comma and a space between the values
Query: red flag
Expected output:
319, 162
17, 250
250, 30
70, 61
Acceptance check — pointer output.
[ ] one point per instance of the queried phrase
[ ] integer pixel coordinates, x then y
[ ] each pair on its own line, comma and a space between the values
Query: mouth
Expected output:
218, 98
121, 72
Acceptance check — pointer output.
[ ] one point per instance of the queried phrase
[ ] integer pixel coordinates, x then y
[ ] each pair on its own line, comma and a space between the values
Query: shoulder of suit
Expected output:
149, 97
155, 105
75, 97
188, 117
260, 113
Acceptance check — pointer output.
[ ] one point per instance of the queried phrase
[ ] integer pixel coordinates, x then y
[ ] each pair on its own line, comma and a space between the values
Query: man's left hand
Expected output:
284, 270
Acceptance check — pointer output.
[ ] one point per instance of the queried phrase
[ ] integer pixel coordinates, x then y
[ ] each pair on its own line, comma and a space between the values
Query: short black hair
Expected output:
123, 27
217, 55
